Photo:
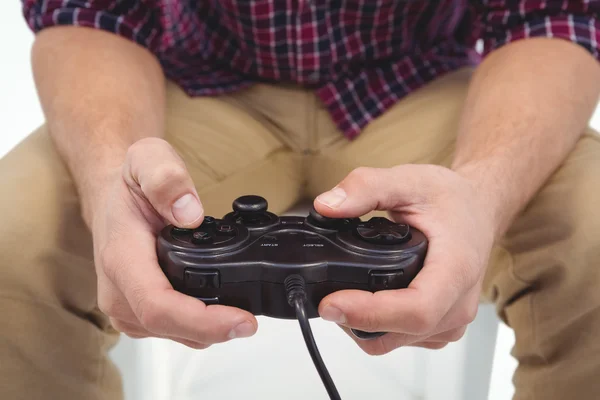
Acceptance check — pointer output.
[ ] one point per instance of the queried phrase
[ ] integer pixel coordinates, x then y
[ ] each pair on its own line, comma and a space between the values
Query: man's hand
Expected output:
104, 100
442, 300
153, 189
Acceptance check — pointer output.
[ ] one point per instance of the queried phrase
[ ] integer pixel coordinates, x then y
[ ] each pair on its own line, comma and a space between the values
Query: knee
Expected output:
555, 239
575, 190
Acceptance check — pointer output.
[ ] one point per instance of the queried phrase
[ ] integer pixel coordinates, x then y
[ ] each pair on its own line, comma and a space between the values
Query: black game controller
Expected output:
283, 267
244, 259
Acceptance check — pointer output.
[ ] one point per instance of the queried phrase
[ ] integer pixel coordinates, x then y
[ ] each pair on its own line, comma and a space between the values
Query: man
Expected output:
363, 105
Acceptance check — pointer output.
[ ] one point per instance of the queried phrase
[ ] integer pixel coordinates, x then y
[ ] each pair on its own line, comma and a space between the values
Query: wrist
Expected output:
492, 188
95, 190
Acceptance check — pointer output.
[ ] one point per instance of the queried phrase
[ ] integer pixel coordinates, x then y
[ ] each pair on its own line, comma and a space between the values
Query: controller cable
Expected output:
295, 288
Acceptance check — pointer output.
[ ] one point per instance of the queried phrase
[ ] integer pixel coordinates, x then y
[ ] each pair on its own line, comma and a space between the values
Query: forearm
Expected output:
528, 104
100, 93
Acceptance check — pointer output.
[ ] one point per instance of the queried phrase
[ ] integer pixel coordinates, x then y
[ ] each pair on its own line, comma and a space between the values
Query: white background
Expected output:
20, 113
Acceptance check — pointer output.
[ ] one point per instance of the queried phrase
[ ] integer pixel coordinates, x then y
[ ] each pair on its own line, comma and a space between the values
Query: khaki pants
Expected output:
279, 142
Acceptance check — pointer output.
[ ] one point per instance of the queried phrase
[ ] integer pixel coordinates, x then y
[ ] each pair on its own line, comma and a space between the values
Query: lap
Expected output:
227, 151
231, 150
419, 129
548, 287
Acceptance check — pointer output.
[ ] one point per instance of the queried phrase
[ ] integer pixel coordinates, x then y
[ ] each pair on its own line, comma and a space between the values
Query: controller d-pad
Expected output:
382, 231
366, 232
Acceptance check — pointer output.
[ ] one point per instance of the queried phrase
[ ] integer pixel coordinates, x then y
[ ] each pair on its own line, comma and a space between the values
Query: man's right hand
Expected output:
151, 190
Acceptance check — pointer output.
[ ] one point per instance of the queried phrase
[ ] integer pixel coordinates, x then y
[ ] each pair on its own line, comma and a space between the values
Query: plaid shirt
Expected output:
360, 56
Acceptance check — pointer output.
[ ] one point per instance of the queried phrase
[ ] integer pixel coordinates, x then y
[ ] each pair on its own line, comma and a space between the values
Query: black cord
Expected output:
296, 296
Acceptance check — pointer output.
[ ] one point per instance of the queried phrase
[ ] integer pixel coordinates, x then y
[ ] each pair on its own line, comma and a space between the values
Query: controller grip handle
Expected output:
366, 335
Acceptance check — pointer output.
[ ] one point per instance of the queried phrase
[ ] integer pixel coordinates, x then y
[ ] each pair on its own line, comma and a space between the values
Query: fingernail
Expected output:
245, 329
333, 198
333, 314
187, 209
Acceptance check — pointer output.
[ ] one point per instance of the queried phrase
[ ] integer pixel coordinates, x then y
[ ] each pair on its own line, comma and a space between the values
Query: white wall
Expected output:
20, 114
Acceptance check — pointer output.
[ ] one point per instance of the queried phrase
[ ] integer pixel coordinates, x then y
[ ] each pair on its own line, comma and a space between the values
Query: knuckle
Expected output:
106, 257
120, 326
110, 264
424, 320
164, 174
456, 334
465, 276
370, 322
141, 146
135, 335
117, 324
436, 346
360, 174
194, 345
467, 315
108, 305
136, 150
375, 348
151, 316
127, 329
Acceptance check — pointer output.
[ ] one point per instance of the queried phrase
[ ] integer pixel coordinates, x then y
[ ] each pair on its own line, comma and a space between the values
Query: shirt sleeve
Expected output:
506, 21
135, 20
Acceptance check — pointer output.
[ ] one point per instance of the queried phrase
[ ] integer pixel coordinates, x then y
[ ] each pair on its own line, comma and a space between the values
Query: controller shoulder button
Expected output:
209, 300
195, 279
383, 280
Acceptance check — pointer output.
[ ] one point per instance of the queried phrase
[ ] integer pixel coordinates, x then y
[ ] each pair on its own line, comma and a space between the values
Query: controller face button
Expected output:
226, 229
200, 237
382, 280
208, 222
202, 279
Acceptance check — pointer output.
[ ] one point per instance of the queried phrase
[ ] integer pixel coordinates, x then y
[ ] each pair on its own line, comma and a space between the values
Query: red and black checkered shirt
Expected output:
360, 56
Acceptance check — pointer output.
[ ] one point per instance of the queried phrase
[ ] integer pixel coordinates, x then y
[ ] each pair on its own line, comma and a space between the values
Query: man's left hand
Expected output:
443, 299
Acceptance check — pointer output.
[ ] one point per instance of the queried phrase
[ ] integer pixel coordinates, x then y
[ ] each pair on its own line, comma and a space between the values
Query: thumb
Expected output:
155, 170
365, 190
